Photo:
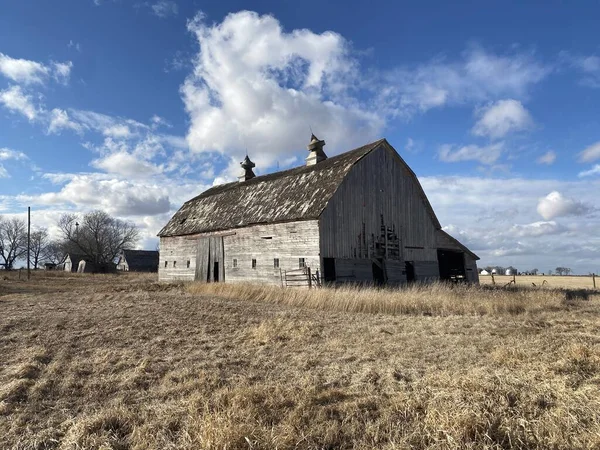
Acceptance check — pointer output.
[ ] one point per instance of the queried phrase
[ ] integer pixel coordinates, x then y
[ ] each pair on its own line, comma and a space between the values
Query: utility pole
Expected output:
28, 241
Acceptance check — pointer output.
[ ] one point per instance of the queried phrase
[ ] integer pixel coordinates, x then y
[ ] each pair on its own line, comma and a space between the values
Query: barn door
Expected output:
210, 259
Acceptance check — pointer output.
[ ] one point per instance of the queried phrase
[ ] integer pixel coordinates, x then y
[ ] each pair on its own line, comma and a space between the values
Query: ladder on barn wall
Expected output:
300, 278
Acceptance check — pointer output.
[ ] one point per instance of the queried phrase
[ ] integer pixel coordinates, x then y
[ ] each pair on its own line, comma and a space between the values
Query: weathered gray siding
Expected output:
472, 272
179, 250
287, 241
380, 193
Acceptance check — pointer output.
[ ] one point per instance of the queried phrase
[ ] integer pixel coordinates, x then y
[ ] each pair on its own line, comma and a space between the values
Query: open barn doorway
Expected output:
210, 265
451, 265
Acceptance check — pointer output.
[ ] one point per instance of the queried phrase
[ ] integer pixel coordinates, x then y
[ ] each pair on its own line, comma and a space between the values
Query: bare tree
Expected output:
55, 252
38, 246
13, 241
98, 236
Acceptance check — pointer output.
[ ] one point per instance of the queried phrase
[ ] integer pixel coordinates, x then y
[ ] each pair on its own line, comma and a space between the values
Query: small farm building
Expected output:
73, 262
484, 272
361, 216
138, 261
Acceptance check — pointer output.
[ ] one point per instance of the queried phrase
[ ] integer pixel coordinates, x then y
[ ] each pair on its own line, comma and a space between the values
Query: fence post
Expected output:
514, 279
281, 276
493, 280
594, 280
309, 279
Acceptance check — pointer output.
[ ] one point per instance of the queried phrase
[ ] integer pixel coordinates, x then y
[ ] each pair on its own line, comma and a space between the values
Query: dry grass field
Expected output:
122, 362
552, 281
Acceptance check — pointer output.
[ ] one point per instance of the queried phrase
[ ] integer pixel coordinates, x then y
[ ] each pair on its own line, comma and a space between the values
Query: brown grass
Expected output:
432, 300
553, 281
121, 362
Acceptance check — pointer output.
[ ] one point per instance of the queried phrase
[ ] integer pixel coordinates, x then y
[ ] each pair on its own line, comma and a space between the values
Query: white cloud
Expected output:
593, 171
591, 153
164, 8
501, 118
477, 76
113, 195
3, 172
537, 229
26, 72
497, 219
256, 86
117, 127
16, 100
7, 153
547, 158
62, 71
485, 155
126, 164
59, 120
22, 70
556, 205
118, 131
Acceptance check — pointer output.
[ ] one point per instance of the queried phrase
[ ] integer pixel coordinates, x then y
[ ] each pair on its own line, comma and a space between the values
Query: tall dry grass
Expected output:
123, 362
436, 299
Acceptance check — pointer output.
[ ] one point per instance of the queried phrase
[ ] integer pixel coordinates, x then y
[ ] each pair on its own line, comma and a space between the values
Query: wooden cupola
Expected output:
247, 165
315, 147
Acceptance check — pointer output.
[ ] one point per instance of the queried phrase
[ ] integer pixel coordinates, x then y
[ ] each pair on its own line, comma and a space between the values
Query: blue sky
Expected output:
135, 107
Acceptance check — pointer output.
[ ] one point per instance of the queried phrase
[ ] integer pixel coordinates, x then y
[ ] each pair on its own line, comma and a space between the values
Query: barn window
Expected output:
234, 262
254, 264
301, 263
174, 264
166, 262
276, 263
188, 264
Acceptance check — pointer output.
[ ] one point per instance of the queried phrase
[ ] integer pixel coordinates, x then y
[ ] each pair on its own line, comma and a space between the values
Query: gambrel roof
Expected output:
301, 193
295, 194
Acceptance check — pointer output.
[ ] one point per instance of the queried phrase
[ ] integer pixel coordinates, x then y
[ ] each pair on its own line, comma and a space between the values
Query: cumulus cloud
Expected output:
547, 158
113, 195
485, 155
477, 76
126, 164
17, 101
26, 72
3, 172
555, 205
591, 153
501, 118
485, 215
22, 70
255, 85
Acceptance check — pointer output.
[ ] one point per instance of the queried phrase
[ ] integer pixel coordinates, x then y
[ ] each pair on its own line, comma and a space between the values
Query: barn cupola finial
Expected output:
315, 147
247, 165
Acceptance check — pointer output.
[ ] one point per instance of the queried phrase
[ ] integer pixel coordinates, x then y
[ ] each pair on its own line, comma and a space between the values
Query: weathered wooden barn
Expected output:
138, 261
361, 216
